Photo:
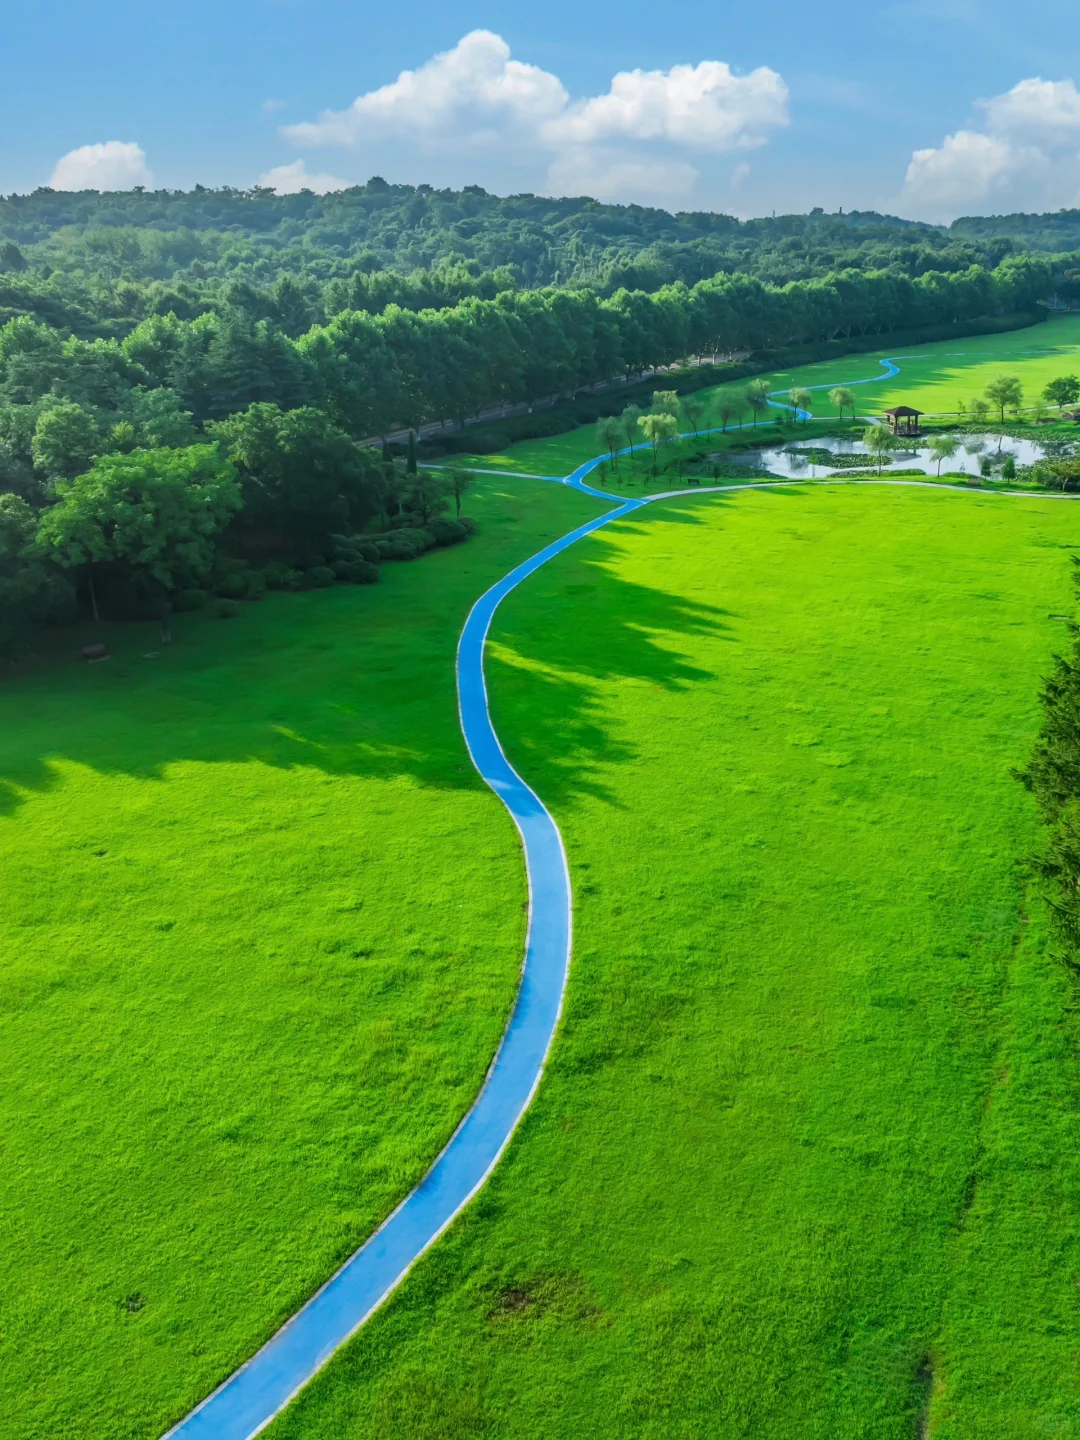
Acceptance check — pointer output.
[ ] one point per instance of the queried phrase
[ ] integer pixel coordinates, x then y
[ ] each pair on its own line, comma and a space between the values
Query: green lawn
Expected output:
261, 928
806, 1159
933, 378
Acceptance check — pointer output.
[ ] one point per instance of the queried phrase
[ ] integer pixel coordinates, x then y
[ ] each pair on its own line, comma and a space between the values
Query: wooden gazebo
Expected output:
903, 419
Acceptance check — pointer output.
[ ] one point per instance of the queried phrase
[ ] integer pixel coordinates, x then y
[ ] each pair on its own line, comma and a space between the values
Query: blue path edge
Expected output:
253, 1395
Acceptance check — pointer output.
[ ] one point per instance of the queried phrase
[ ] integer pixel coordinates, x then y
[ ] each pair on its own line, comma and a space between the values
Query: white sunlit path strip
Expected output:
255, 1394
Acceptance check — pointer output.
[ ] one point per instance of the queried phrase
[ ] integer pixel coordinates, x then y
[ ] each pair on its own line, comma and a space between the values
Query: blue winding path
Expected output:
259, 1390
250, 1398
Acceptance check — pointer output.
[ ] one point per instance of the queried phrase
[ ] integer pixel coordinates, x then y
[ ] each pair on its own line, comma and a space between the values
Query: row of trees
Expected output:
372, 373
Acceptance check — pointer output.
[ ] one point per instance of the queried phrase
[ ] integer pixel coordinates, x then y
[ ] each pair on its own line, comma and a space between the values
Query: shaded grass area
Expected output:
805, 1158
261, 927
932, 378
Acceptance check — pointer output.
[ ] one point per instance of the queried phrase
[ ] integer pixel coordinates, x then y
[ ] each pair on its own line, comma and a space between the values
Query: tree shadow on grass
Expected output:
326, 681
550, 681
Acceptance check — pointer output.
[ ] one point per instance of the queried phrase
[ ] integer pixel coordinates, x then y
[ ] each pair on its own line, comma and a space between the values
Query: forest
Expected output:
209, 359
96, 264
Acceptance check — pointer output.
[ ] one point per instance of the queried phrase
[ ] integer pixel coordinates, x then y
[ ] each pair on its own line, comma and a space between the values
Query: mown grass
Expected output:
805, 1161
933, 378
261, 926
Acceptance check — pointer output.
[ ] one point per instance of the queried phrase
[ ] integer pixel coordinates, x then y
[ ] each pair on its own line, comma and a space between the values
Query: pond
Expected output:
789, 463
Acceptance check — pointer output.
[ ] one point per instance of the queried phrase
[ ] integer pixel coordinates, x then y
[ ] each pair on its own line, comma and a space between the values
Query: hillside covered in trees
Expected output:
96, 264
206, 360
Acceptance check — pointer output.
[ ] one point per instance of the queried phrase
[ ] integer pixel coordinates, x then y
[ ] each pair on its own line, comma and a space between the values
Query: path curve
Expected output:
255, 1394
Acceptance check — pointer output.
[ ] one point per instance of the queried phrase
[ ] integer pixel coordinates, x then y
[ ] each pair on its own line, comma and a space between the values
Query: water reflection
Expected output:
974, 455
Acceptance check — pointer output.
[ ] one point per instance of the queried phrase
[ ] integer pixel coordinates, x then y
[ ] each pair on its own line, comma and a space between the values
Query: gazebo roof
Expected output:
903, 410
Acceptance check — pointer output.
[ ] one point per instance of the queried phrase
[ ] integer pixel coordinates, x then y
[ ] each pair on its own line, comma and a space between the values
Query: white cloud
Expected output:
114, 165
269, 107
1046, 109
968, 169
703, 106
609, 176
622, 145
1027, 156
474, 88
291, 179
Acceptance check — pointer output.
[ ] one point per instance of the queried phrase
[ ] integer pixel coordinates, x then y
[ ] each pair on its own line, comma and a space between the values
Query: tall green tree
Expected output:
801, 400
425, 495
943, 447
843, 399
630, 419
459, 480
693, 408
1004, 390
757, 397
155, 513
658, 430
1065, 390
303, 478
66, 439
880, 443
609, 434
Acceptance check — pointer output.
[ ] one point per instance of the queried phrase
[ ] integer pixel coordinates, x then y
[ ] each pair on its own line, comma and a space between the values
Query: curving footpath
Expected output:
250, 1399
256, 1393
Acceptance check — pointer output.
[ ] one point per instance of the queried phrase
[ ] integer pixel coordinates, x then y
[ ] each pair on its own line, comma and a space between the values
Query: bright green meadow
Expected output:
806, 1162
261, 927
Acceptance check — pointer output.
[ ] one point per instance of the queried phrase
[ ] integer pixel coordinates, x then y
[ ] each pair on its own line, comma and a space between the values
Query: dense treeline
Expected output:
96, 264
373, 373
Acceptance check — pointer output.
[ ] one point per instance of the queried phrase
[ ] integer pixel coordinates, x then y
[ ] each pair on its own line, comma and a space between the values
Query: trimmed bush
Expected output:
233, 585
357, 572
227, 609
256, 584
405, 544
189, 599
469, 523
355, 547
281, 577
319, 576
447, 532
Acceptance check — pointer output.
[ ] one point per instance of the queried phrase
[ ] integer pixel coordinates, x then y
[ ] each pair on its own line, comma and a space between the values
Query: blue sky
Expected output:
734, 107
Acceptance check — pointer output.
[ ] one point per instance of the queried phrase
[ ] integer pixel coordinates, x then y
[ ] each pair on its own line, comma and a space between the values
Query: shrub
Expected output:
281, 577
447, 532
354, 547
233, 585
256, 584
226, 609
469, 523
189, 599
1059, 474
357, 572
405, 544
319, 576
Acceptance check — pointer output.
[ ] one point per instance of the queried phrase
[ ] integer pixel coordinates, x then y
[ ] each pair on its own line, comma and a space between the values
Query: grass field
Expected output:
806, 1160
261, 926
803, 1165
933, 378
